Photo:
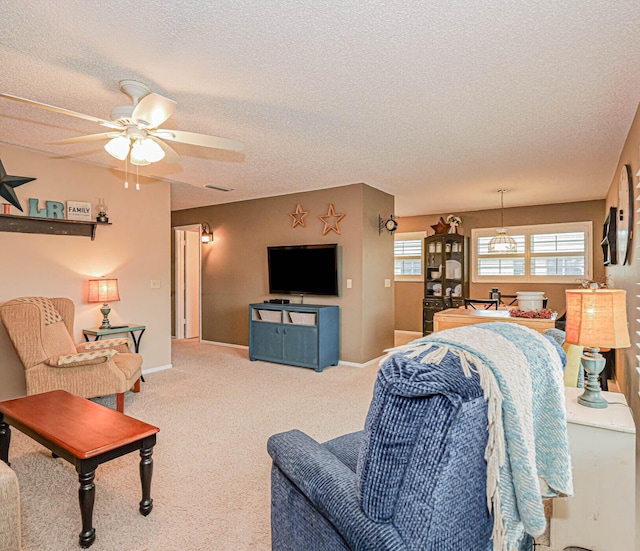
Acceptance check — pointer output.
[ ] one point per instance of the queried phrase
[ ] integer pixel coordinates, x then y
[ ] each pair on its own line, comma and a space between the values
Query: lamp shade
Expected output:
597, 318
152, 151
103, 290
503, 243
118, 147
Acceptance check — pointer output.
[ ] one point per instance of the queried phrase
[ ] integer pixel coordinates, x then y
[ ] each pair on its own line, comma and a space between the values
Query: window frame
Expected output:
563, 227
409, 236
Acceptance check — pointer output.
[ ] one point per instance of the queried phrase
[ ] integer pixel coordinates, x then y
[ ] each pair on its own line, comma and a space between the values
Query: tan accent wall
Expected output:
234, 266
409, 295
134, 249
627, 277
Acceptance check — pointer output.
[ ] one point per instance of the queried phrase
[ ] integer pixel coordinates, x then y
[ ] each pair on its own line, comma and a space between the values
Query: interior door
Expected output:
192, 285
187, 282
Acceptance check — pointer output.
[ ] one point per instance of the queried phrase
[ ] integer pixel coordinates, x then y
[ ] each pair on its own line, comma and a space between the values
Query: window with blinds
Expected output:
550, 253
408, 256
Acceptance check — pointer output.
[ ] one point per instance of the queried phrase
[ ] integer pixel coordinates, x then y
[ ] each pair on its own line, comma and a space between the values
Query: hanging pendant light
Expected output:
502, 243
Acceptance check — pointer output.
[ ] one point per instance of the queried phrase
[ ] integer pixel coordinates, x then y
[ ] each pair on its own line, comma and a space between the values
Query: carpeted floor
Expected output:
211, 479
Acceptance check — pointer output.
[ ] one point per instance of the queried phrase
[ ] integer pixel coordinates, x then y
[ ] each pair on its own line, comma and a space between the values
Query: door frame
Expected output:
179, 291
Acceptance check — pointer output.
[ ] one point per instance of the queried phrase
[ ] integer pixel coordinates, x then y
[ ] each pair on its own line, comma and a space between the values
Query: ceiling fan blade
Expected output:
87, 138
170, 154
153, 110
203, 140
33, 103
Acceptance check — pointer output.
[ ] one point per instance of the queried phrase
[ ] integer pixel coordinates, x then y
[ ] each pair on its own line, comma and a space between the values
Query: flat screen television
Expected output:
303, 269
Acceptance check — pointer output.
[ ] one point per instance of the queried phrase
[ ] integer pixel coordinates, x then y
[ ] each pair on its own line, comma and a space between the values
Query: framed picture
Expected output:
609, 237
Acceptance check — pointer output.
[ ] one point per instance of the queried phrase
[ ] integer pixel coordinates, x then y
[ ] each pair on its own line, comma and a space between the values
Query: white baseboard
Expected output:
159, 368
244, 347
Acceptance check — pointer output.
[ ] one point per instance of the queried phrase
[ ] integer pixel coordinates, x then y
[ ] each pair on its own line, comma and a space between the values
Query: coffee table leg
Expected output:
86, 494
5, 439
146, 470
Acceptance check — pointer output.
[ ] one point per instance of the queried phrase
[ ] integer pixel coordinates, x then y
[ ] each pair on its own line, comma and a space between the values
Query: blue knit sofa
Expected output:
414, 479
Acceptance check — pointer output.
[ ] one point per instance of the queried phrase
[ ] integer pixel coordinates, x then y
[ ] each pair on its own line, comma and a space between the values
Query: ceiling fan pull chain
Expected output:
126, 172
137, 183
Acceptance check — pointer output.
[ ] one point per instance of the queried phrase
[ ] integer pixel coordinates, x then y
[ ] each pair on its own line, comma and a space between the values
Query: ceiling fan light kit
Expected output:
136, 134
118, 147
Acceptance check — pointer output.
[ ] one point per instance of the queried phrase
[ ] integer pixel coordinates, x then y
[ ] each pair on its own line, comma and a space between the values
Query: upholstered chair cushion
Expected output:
83, 358
57, 341
129, 364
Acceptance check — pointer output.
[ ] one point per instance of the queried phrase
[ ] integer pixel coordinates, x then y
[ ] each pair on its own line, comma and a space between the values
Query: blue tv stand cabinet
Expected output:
304, 335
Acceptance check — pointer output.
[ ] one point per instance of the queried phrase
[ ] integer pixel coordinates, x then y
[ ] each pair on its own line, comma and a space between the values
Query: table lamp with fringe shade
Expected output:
105, 291
596, 318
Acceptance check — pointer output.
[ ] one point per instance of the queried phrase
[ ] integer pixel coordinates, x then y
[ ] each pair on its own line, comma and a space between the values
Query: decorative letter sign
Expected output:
79, 210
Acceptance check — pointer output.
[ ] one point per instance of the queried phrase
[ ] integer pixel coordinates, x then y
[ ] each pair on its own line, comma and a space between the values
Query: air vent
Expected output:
218, 188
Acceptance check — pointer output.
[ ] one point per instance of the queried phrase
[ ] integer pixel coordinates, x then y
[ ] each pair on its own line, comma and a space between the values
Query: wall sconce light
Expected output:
390, 224
105, 291
207, 234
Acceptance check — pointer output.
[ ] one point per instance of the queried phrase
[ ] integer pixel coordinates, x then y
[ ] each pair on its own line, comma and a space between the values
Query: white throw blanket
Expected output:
527, 450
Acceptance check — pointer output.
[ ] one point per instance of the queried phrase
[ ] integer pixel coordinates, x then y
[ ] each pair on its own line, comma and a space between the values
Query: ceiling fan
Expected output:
135, 129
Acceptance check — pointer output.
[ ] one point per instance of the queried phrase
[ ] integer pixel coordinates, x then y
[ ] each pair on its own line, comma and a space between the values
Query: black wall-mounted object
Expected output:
303, 269
609, 237
390, 224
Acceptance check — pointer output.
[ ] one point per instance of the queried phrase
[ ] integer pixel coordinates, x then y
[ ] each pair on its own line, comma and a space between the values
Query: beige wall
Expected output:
234, 266
409, 295
627, 277
134, 249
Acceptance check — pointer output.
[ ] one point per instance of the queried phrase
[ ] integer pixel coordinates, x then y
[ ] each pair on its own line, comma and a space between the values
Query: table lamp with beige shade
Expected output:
596, 318
105, 291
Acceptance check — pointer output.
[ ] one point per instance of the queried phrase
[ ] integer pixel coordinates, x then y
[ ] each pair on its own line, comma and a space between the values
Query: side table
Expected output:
601, 513
131, 329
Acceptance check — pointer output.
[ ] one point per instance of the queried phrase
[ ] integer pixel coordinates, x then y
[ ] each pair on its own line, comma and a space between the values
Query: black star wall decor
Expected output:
7, 185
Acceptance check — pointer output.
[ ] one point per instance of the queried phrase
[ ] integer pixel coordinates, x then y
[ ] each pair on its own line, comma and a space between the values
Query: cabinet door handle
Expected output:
277, 330
284, 331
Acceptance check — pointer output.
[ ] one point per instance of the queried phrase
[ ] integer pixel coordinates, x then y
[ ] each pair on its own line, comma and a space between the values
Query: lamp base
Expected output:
105, 316
593, 364
592, 400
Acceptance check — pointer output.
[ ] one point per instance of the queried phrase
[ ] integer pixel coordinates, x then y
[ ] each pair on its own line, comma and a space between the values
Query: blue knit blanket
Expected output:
527, 452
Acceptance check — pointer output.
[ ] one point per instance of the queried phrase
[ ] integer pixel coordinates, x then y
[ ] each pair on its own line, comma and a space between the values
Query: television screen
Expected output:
304, 269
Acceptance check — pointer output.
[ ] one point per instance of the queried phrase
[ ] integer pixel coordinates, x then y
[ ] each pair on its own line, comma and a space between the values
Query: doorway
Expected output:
187, 284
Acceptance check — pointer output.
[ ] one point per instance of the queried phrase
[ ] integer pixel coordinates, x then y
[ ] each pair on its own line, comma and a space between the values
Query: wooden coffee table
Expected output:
84, 433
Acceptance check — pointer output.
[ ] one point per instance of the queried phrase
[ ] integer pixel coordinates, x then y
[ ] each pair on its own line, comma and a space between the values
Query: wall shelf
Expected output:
29, 224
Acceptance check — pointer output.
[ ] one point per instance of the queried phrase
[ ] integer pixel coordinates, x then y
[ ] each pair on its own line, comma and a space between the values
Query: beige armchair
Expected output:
41, 331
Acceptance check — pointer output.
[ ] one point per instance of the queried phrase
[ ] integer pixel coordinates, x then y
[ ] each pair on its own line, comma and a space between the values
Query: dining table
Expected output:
459, 317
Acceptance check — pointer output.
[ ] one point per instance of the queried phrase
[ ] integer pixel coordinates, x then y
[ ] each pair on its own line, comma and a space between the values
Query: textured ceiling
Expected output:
439, 103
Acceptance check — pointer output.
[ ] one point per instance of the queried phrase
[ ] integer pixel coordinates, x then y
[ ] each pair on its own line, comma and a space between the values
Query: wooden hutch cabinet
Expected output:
446, 275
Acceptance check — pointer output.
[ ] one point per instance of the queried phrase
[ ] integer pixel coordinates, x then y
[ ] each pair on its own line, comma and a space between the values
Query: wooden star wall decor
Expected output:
331, 220
298, 216
7, 185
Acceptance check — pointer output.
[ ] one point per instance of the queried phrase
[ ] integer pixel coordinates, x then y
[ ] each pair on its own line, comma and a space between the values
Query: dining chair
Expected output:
481, 303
